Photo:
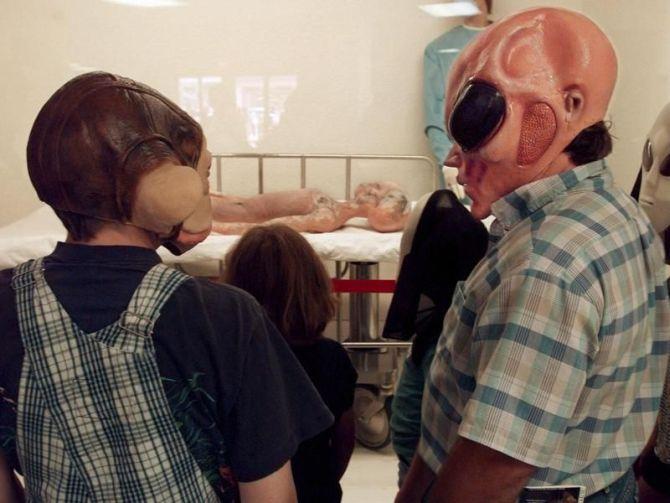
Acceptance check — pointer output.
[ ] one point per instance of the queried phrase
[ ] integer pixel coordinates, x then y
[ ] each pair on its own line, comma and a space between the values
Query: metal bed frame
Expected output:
347, 158
376, 360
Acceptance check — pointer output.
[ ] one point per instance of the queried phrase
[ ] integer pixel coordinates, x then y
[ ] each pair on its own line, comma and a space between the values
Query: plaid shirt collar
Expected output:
527, 199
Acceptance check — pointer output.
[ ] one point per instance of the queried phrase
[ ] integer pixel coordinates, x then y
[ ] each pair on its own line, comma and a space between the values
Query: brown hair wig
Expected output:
280, 269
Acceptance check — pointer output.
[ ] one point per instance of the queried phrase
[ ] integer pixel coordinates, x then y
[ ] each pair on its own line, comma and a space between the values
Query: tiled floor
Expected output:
371, 476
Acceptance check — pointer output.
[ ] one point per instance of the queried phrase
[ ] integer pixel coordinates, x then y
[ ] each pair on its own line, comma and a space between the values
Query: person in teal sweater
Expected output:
437, 60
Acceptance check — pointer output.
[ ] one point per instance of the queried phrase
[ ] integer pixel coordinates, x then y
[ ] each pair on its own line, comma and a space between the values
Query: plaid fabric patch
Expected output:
93, 422
555, 348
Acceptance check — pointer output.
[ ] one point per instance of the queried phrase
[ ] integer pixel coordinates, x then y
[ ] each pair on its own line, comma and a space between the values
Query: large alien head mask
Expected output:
109, 148
655, 184
526, 87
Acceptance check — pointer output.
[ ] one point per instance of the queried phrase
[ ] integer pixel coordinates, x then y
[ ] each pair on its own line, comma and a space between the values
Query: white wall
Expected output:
317, 76
641, 36
639, 32
262, 76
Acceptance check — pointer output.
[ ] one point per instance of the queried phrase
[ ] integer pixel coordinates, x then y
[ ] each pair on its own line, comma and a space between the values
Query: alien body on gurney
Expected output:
384, 204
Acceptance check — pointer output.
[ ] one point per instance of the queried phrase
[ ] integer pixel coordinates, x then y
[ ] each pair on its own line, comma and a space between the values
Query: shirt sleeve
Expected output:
532, 345
11, 359
276, 408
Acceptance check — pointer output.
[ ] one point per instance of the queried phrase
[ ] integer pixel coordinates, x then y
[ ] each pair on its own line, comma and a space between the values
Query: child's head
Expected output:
281, 270
106, 148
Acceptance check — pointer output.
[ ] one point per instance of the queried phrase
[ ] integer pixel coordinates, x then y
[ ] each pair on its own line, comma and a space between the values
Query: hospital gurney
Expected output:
356, 250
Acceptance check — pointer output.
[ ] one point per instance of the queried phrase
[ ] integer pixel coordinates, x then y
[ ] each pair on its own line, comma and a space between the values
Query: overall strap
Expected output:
145, 306
23, 276
33, 296
98, 403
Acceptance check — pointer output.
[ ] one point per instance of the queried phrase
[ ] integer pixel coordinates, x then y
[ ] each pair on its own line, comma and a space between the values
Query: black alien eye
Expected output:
664, 168
477, 115
647, 156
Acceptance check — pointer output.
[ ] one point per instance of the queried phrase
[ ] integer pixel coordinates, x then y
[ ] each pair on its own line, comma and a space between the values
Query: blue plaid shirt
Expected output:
555, 348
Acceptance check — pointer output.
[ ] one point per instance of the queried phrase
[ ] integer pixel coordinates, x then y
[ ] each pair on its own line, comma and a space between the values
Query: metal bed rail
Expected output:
304, 158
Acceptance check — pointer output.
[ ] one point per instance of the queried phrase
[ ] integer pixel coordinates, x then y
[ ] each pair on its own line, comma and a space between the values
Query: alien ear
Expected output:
573, 102
165, 197
201, 218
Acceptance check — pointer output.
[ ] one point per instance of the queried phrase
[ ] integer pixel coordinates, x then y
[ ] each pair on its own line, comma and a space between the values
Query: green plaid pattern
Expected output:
555, 348
93, 422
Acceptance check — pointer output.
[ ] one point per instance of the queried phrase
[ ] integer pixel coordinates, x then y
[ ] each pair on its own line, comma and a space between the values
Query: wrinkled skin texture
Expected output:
384, 204
542, 61
655, 186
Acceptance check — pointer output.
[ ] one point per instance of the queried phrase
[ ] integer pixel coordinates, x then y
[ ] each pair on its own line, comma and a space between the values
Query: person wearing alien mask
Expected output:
652, 189
122, 379
545, 373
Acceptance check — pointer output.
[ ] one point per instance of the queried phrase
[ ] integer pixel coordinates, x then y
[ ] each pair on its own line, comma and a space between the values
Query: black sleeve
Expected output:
655, 472
277, 407
11, 359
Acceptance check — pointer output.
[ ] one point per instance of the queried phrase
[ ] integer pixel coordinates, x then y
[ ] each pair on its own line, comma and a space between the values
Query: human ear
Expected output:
573, 103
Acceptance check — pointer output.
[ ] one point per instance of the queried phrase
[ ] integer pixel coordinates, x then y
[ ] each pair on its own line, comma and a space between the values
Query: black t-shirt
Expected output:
240, 398
329, 367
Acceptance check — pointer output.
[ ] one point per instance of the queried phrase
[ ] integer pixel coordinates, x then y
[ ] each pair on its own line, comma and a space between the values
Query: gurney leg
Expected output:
376, 374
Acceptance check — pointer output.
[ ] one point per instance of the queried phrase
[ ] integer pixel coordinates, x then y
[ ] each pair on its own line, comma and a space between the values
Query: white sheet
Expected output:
36, 235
